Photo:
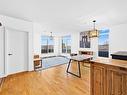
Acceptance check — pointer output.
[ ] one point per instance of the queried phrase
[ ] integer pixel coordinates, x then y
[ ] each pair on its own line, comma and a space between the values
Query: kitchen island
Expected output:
108, 77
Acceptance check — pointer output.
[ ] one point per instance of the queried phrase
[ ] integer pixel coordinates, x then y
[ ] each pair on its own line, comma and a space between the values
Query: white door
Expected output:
17, 49
2, 52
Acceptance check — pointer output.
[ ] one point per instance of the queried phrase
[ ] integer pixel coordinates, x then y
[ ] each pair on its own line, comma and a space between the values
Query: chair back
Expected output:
36, 56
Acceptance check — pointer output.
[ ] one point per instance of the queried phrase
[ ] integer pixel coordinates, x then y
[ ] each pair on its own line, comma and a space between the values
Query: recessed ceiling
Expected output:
67, 15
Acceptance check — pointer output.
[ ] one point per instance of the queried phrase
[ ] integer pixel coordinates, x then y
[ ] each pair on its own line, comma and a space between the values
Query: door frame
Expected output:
2, 29
29, 54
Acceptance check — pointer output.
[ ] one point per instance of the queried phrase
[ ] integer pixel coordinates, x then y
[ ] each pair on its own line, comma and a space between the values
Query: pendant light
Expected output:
51, 36
94, 32
0, 24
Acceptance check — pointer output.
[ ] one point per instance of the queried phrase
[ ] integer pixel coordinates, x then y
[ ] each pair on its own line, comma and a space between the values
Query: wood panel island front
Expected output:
108, 77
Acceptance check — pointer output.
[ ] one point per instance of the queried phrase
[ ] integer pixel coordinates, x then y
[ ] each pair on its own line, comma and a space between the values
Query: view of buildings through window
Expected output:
47, 44
66, 44
103, 43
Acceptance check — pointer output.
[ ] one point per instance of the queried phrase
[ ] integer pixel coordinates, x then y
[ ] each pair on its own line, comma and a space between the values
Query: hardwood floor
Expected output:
0, 82
53, 81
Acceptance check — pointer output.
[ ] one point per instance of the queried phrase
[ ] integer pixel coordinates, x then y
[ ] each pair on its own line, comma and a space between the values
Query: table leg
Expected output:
79, 71
68, 65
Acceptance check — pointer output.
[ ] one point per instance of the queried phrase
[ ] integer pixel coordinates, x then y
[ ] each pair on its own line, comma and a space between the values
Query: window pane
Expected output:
44, 46
47, 44
66, 44
50, 45
104, 43
63, 46
69, 46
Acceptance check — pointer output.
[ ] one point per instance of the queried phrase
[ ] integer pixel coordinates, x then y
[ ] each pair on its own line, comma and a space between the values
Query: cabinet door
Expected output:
98, 80
124, 92
116, 82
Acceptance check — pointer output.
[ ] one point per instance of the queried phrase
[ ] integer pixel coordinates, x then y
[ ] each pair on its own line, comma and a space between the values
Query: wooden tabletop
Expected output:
81, 57
113, 62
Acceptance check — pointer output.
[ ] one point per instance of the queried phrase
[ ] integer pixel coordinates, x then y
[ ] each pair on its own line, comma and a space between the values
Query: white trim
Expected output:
30, 51
5, 51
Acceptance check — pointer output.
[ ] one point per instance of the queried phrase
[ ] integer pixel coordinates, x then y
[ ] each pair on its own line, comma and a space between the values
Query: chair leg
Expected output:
41, 64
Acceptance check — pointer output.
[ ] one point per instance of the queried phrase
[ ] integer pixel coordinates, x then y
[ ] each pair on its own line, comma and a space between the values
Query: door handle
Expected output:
10, 54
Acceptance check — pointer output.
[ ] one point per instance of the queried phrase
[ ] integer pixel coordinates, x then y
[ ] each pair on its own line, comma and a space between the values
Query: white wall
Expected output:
15, 23
118, 38
38, 32
57, 46
117, 41
75, 42
37, 43
75, 48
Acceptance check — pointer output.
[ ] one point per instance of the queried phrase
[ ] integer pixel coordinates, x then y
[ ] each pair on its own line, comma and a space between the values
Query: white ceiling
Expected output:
67, 15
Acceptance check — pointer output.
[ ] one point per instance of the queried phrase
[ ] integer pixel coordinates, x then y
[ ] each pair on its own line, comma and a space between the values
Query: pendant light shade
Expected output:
51, 36
94, 32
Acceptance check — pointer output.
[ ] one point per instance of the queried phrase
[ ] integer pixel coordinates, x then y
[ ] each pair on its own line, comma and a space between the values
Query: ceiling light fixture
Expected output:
0, 24
94, 32
51, 36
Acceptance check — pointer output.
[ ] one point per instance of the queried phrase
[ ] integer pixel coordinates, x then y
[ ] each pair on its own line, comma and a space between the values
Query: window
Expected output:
103, 43
66, 44
47, 44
